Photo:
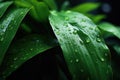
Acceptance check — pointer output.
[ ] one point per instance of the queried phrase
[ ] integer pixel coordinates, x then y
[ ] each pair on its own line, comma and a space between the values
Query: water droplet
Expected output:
75, 31
76, 50
31, 49
81, 70
98, 39
15, 58
87, 40
66, 18
81, 42
68, 11
91, 28
2, 39
57, 32
11, 66
37, 41
106, 54
77, 60
102, 59
83, 20
71, 61
22, 13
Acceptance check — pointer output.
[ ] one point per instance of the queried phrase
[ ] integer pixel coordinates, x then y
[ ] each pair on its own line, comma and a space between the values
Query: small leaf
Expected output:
4, 6
86, 7
84, 49
96, 18
8, 26
39, 10
110, 28
22, 50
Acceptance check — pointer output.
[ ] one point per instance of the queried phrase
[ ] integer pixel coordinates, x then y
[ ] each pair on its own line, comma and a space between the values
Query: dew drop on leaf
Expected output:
102, 59
98, 39
77, 60
15, 58
2, 38
106, 54
87, 40
67, 18
31, 49
81, 70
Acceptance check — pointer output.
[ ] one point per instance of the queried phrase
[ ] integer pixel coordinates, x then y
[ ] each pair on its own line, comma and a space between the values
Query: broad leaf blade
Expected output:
22, 50
86, 7
8, 26
84, 50
109, 28
4, 6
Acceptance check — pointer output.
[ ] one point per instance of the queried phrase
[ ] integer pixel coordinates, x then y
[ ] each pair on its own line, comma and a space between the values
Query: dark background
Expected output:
109, 7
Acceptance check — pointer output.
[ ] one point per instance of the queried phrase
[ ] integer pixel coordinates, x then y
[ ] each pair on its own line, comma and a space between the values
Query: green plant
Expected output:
44, 28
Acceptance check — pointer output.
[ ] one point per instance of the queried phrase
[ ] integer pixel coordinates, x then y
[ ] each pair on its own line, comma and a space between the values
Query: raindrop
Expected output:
22, 13
31, 49
2, 39
66, 18
106, 54
83, 20
91, 28
81, 70
68, 11
57, 32
76, 50
15, 58
75, 31
87, 40
77, 60
11, 66
98, 39
71, 61
102, 59
37, 41
81, 42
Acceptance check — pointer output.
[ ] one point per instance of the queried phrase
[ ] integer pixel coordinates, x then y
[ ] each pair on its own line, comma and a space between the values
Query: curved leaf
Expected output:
109, 28
84, 50
86, 7
22, 50
4, 6
39, 10
8, 26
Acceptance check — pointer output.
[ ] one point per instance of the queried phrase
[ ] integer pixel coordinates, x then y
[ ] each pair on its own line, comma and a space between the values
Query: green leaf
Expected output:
83, 48
8, 26
22, 50
39, 10
3, 7
110, 28
86, 7
96, 18
51, 4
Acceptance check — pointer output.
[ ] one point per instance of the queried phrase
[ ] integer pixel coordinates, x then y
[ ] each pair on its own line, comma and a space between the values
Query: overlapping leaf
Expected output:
3, 7
84, 50
109, 28
86, 7
39, 10
22, 50
8, 26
